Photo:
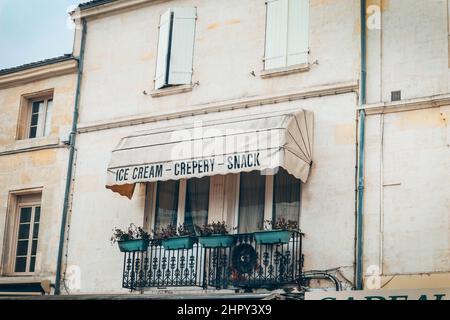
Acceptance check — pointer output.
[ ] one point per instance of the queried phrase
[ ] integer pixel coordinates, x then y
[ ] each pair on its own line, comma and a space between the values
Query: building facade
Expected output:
332, 114
230, 80
407, 141
36, 119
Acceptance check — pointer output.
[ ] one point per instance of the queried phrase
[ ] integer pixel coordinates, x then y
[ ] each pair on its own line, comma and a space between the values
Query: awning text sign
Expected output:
220, 144
190, 168
391, 295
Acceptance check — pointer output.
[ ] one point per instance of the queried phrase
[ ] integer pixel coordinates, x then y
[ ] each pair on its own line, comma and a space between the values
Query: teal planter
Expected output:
272, 236
133, 245
216, 241
176, 243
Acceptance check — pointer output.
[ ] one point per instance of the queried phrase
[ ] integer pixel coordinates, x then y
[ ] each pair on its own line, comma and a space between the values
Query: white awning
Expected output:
219, 143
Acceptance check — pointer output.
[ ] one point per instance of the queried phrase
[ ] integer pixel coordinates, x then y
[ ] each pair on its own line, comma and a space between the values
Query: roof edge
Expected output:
37, 64
98, 8
38, 71
93, 3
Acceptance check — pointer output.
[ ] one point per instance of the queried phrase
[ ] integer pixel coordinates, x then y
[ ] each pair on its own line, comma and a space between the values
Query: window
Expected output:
287, 33
264, 197
166, 211
257, 198
251, 201
197, 202
36, 116
23, 234
286, 196
179, 202
175, 47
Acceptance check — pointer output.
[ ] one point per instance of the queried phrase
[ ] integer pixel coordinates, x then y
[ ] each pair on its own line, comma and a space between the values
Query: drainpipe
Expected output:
362, 123
72, 141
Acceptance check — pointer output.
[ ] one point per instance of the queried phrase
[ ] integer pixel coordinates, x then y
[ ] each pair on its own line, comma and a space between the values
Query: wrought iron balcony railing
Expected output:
246, 264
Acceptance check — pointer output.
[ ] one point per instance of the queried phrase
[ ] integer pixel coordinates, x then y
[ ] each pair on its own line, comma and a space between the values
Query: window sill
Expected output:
19, 278
171, 90
43, 283
29, 145
265, 74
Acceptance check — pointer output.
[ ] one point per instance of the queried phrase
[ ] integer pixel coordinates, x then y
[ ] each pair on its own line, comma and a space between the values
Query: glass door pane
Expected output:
37, 217
286, 196
197, 202
23, 237
48, 118
251, 201
166, 204
35, 118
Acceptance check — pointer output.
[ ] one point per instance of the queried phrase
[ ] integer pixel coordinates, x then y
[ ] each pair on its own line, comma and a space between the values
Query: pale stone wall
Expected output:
407, 203
96, 210
410, 51
121, 52
120, 64
43, 168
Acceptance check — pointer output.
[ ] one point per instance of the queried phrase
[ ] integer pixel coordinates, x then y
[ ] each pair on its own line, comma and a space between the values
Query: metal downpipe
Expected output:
71, 161
361, 151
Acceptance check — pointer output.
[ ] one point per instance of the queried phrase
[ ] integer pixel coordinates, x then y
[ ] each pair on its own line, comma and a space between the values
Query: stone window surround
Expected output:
8, 256
23, 124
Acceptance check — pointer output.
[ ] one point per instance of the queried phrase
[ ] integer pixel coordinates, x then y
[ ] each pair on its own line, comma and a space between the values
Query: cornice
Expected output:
314, 92
38, 73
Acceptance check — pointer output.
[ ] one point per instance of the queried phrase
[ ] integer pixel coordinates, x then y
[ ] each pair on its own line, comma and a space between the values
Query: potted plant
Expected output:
131, 239
173, 238
215, 235
280, 232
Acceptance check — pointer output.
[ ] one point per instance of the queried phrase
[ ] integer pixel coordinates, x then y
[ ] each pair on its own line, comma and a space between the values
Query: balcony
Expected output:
245, 265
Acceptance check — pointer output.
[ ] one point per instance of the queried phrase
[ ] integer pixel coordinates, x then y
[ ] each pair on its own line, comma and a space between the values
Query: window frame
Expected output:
169, 88
287, 68
18, 200
33, 205
151, 202
269, 214
42, 118
25, 114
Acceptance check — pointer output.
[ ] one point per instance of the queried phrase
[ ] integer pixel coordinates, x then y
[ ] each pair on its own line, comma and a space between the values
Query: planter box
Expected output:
177, 243
133, 245
272, 236
216, 241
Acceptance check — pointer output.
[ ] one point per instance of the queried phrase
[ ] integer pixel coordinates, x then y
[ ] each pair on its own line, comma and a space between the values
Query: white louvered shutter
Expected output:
298, 32
163, 50
276, 34
182, 47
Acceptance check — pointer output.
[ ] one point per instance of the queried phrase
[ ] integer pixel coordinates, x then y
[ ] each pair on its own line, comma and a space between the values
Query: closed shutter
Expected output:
298, 32
182, 47
276, 34
287, 33
163, 50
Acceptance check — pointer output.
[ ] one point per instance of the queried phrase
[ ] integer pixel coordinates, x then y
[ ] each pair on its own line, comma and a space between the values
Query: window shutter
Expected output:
163, 50
298, 32
182, 46
276, 34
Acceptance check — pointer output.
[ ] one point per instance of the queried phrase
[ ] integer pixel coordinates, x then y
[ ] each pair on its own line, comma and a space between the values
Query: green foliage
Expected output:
171, 231
213, 228
282, 224
133, 232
